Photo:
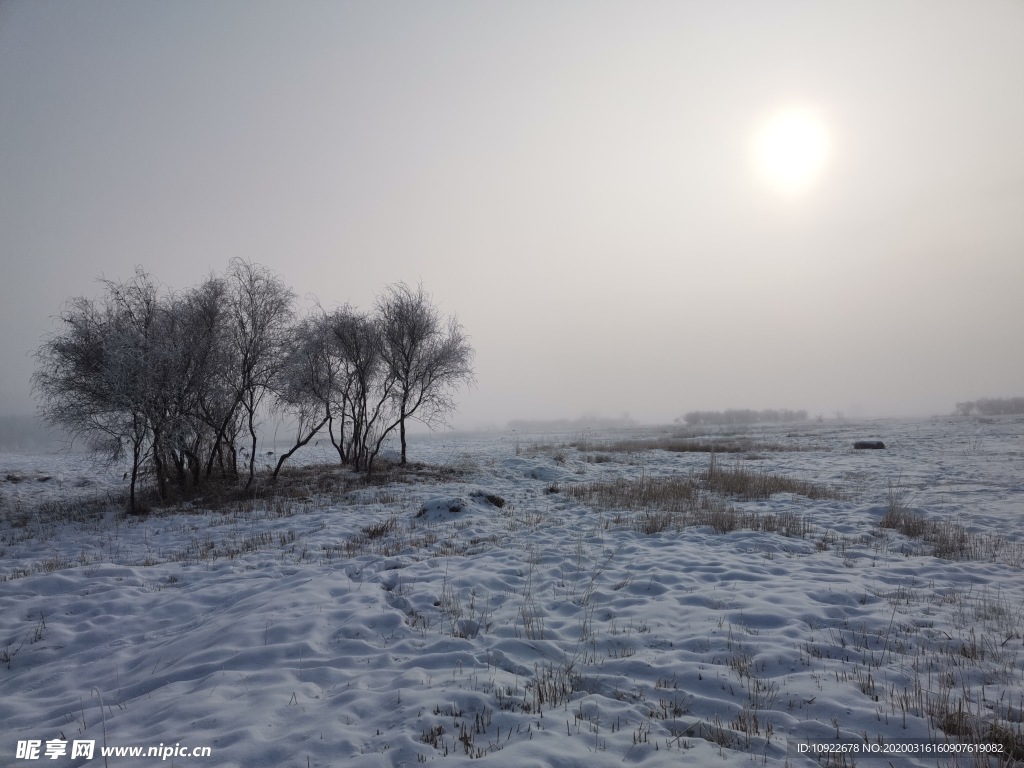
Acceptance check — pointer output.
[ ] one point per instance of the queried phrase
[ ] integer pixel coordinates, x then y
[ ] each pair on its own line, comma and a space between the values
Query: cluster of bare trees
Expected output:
991, 406
179, 382
742, 416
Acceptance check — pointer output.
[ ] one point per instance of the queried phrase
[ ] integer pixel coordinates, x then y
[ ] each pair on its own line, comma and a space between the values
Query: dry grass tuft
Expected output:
683, 445
671, 494
970, 729
745, 483
381, 529
948, 540
673, 503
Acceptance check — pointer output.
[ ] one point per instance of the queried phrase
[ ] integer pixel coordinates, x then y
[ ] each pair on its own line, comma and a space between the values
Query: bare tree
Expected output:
260, 307
93, 377
342, 382
426, 355
215, 402
185, 366
303, 390
368, 384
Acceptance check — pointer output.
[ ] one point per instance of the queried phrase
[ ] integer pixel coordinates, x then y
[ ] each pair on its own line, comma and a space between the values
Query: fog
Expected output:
578, 182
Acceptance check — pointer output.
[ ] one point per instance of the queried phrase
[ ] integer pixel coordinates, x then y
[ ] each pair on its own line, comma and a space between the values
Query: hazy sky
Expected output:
581, 182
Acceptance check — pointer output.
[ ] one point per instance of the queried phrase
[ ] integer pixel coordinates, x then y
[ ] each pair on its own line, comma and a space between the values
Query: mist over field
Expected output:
639, 210
28, 434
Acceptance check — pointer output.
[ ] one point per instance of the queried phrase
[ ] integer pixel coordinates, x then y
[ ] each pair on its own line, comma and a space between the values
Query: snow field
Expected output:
495, 615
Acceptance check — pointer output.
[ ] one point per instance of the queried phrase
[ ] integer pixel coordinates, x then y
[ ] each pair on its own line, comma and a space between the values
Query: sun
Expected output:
790, 150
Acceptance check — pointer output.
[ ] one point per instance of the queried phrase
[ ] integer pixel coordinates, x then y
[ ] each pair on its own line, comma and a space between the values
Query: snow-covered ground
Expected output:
486, 611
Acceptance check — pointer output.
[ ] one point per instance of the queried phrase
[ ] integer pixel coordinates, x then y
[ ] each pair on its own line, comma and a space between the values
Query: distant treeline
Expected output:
28, 433
565, 425
991, 406
741, 416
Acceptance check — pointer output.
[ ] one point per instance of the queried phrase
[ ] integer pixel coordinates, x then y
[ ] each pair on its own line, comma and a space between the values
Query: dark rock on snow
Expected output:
869, 444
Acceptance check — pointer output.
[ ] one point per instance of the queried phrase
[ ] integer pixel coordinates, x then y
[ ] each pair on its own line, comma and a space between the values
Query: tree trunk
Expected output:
402, 413
252, 453
298, 444
339, 445
356, 453
401, 431
158, 464
221, 434
135, 475
195, 466
178, 459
